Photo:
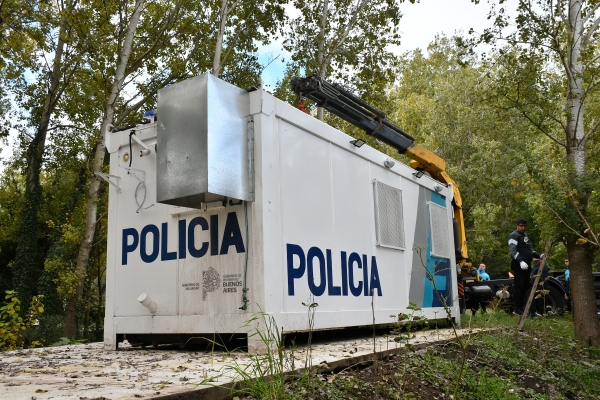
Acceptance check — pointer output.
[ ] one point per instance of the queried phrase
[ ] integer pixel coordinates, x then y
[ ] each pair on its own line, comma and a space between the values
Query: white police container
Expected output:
243, 194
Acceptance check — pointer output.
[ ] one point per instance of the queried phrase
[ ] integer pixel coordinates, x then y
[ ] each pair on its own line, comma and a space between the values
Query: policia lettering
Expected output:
350, 265
232, 236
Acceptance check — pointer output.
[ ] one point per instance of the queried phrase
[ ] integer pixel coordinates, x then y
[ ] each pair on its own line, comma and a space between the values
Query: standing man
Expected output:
521, 255
567, 284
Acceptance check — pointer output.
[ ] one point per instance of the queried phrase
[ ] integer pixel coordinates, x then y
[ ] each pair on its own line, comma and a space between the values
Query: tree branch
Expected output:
591, 131
590, 87
233, 42
540, 128
234, 5
583, 219
560, 51
560, 8
69, 127
567, 225
591, 13
536, 124
135, 64
63, 87
141, 102
533, 44
359, 7
590, 32
591, 62
270, 62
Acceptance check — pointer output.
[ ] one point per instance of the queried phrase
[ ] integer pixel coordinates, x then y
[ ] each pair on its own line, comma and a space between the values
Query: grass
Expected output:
543, 361
264, 376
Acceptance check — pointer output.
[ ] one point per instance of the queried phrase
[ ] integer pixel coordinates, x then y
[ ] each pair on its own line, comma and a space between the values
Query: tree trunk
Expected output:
94, 189
575, 92
24, 279
321, 50
86, 319
587, 327
100, 302
323, 59
219, 46
585, 316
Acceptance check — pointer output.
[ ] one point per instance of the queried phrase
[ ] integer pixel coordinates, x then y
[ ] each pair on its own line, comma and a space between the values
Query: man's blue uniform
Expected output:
520, 251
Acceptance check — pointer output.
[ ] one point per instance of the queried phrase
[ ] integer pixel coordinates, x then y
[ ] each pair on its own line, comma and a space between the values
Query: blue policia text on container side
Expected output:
152, 242
316, 263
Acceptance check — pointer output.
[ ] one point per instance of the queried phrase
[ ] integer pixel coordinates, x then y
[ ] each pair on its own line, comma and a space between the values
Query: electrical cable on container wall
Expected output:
130, 153
142, 183
245, 288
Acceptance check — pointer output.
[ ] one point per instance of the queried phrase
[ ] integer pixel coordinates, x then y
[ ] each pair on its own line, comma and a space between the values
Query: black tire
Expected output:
554, 301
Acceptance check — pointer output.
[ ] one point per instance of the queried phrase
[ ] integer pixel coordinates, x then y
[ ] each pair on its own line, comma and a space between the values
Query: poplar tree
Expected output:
141, 33
559, 38
241, 26
156, 52
49, 29
344, 40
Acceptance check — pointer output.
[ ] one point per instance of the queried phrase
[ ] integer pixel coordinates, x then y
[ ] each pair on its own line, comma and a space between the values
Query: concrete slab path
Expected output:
86, 371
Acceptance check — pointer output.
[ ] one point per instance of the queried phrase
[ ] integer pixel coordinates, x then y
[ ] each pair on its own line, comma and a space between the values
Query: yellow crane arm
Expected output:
425, 160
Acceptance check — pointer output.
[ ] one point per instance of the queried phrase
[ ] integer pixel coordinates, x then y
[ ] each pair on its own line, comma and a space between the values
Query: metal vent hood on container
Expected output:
204, 143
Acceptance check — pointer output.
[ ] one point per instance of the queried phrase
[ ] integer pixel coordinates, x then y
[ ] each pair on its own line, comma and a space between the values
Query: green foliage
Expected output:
12, 325
50, 223
484, 386
442, 99
451, 102
352, 49
548, 73
63, 341
408, 323
542, 362
50, 329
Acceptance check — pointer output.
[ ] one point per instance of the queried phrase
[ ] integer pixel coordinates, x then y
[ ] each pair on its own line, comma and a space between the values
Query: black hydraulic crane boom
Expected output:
337, 100
345, 105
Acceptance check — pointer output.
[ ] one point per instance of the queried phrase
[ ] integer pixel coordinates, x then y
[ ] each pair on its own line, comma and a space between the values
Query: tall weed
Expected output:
264, 376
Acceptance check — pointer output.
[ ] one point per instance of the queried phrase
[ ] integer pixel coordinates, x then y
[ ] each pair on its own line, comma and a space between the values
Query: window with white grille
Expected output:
440, 237
389, 217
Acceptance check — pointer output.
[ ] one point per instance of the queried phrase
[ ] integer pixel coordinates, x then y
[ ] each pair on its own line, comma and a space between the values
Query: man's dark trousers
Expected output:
521, 283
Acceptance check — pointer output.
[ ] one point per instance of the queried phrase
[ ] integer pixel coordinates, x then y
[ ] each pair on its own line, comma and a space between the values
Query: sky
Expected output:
419, 25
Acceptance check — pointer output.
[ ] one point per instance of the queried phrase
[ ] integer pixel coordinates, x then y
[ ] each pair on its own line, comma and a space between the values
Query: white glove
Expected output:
523, 265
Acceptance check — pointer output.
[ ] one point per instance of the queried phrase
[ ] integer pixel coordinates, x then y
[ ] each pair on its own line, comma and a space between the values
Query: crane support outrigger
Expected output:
337, 100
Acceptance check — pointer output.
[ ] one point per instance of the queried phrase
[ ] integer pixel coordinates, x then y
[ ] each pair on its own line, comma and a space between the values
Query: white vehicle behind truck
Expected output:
231, 202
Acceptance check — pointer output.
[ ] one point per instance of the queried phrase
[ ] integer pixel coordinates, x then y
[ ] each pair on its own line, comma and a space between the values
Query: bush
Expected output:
51, 328
12, 325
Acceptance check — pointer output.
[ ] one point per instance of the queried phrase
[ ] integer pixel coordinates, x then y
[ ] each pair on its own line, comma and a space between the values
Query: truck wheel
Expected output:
554, 301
